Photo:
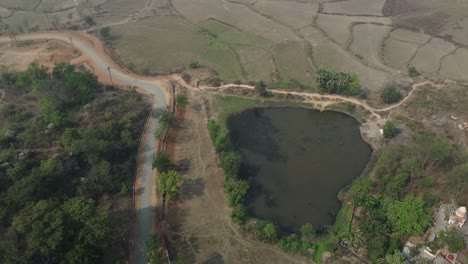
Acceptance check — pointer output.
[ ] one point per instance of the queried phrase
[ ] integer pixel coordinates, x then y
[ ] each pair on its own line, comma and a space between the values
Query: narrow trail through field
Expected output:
321, 99
103, 65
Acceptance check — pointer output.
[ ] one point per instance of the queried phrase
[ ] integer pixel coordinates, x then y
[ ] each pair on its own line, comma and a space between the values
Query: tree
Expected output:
268, 232
162, 162
154, 255
105, 32
260, 88
230, 163
395, 258
453, 238
338, 82
458, 178
390, 130
408, 217
238, 213
237, 191
169, 183
390, 94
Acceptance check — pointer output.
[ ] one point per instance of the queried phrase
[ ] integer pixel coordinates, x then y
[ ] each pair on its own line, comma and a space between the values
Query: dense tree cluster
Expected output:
49, 203
392, 210
338, 82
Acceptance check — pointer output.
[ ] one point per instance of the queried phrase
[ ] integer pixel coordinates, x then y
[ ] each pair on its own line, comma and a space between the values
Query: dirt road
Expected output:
101, 64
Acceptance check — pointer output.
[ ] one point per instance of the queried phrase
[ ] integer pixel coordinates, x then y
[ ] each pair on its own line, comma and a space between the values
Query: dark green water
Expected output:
297, 161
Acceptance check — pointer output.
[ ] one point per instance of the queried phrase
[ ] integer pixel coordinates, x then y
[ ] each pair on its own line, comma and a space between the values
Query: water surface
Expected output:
297, 161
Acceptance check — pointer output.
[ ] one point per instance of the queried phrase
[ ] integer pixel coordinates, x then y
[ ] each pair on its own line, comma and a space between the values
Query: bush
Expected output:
216, 81
162, 162
105, 32
260, 88
182, 100
266, 231
194, 65
412, 72
238, 214
230, 163
351, 108
390, 130
237, 192
390, 94
428, 182
429, 199
213, 129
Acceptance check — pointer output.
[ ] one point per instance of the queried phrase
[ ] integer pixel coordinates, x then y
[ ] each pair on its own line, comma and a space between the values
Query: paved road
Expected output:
145, 213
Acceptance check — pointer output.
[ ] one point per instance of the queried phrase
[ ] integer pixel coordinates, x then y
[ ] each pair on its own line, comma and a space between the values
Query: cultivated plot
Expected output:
256, 62
367, 43
455, 65
355, 7
339, 27
428, 57
237, 15
166, 43
329, 55
409, 36
291, 61
293, 14
397, 53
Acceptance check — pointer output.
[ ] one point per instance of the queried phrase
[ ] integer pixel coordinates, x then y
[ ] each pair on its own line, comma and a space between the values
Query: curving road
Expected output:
102, 63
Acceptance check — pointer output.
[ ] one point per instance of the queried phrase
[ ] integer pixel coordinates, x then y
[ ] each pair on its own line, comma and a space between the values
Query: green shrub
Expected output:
266, 231
260, 88
194, 65
230, 163
351, 108
412, 72
338, 82
390, 130
390, 94
162, 162
238, 214
428, 182
453, 238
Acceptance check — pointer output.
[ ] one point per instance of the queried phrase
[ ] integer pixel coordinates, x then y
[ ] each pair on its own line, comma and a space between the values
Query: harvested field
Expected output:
294, 14
458, 30
257, 63
398, 53
200, 226
199, 10
20, 4
428, 57
455, 65
339, 27
291, 61
409, 36
231, 36
166, 43
25, 22
327, 54
367, 43
355, 7
124, 6
58, 5
429, 16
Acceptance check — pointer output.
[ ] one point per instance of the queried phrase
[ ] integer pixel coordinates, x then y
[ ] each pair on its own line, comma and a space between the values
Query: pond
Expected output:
297, 160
